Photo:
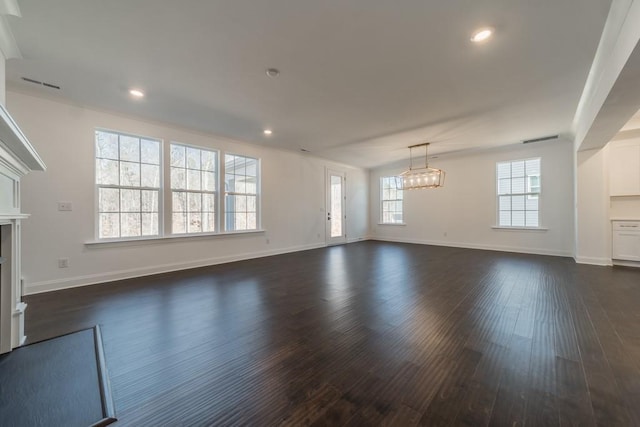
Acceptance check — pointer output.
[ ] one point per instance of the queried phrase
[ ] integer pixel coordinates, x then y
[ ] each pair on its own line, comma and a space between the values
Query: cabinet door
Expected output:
624, 167
626, 245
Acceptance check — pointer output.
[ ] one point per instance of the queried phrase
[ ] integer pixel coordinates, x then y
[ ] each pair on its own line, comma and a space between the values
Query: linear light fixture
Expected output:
421, 177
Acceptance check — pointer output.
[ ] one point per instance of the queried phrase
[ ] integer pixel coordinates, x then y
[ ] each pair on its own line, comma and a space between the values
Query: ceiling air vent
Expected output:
544, 138
37, 82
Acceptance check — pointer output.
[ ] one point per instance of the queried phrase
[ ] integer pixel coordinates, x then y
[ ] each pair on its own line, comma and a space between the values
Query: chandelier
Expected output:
421, 177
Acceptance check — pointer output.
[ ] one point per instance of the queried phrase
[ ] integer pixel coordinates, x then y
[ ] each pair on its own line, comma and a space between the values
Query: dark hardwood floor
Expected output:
369, 333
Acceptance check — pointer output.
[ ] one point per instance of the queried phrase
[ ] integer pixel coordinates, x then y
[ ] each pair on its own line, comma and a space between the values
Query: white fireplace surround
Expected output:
17, 158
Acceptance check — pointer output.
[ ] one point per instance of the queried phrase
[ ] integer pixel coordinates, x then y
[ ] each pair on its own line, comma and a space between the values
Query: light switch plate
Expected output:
64, 206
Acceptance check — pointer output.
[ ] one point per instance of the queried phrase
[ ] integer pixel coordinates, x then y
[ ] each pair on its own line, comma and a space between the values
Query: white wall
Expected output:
463, 212
293, 200
593, 240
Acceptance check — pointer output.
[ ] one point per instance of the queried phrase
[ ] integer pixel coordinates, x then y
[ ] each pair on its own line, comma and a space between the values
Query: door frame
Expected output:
339, 240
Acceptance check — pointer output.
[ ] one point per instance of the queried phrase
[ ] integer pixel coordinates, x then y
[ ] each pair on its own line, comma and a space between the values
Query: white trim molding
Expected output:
93, 279
499, 248
605, 262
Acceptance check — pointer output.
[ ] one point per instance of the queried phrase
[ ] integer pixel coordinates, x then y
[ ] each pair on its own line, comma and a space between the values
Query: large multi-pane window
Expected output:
518, 188
128, 177
193, 189
136, 184
241, 192
391, 197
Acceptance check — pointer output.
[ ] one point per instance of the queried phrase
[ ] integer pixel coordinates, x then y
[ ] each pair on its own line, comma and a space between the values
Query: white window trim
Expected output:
96, 189
168, 239
223, 193
382, 200
165, 192
539, 227
169, 214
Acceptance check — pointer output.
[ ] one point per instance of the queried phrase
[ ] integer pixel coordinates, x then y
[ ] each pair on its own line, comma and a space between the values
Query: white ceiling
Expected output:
360, 79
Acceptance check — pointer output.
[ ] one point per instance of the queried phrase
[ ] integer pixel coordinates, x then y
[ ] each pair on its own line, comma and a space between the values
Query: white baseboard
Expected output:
357, 239
92, 279
516, 249
592, 260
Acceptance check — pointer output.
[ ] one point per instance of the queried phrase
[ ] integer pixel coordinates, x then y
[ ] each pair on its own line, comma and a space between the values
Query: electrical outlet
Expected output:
63, 262
64, 206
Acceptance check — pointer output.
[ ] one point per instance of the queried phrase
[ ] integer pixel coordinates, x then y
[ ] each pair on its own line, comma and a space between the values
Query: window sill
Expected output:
397, 224
496, 227
167, 239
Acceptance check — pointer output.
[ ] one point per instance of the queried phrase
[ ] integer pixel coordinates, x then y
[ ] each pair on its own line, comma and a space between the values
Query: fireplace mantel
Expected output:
17, 158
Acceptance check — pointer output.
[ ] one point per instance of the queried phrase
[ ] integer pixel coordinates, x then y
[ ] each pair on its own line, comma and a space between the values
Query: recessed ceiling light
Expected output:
137, 93
482, 34
273, 72
268, 131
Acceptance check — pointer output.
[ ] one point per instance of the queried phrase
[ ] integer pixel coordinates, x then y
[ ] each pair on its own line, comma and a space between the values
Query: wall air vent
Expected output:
544, 138
37, 82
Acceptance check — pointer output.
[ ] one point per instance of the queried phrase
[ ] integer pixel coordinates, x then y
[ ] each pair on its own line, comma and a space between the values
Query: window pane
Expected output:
150, 176
178, 156
149, 201
517, 169
229, 182
194, 223
208, 181
208, 202
179, 201
130, 200
194, 202
505, 203
193, 179
150, 224
208, 222
179, 223
109, 225
129, 148
504, 170
107, 172
532, 218
193, 158
517, 185
240, 186
533, 167
150, 151
505, 218
130, 224
532, 203
517, 218
178, 179
241, 221
251, 204
504, 186
252, 167
239, 167
106, 145
517, 203
208, 161
251, 185
251, 221
130, 174
108, 200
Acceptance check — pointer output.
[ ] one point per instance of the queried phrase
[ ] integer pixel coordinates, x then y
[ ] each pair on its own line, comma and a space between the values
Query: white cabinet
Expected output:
624, 168
626, 240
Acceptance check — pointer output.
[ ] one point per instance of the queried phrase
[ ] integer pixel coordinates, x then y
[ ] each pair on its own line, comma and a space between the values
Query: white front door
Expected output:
335, 231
